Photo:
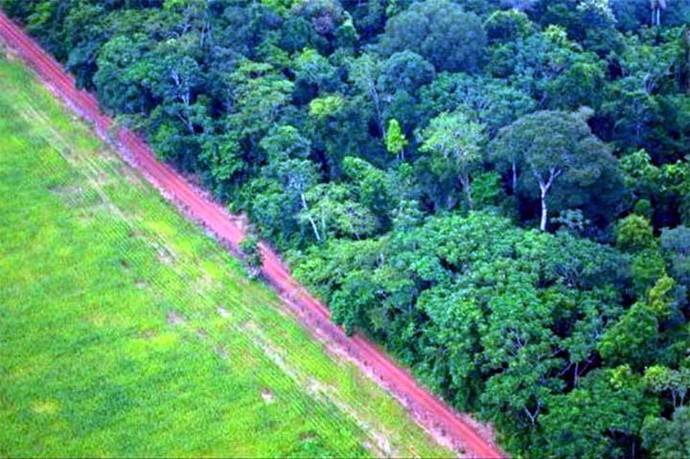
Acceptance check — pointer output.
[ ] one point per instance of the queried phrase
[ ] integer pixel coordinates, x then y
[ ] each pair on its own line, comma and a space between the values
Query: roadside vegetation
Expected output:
498, 191
126, 331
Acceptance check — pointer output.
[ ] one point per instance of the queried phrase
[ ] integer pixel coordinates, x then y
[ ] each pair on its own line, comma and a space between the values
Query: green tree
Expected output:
441, 32
491, 101
662, 380
252, 255
311, 68
395, 140
332, 212
405, 71
364, 72
635, 338
668, 439
599, 418
676, 244
457, 142
371, 185
259, 96
553, 69
508, 25
635, 233
119, 79
553, 146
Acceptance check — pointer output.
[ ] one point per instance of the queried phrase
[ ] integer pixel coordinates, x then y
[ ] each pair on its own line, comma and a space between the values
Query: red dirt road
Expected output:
435, 416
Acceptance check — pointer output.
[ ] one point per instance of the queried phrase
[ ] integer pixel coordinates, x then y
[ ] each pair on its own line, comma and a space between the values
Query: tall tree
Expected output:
457, 142
441, 32
668, 439
551, 146
395, 140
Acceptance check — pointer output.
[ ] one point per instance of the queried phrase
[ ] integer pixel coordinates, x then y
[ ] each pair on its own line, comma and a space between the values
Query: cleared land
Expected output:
124, 330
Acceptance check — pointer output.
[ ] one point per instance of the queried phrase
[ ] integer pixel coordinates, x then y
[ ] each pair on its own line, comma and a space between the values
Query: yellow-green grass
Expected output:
126, 331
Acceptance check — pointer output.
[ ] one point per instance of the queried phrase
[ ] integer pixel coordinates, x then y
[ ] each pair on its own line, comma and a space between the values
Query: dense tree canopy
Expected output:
439, 30
551, 150
496, 190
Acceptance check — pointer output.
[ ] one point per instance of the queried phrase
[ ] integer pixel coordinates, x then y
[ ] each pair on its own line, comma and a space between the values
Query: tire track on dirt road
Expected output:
442, 422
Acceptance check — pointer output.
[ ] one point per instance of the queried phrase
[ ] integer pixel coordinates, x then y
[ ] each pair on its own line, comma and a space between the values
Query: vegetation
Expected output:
496, 190
125, 331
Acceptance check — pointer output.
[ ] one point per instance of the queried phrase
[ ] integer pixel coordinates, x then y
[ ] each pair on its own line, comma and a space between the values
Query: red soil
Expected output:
441, 421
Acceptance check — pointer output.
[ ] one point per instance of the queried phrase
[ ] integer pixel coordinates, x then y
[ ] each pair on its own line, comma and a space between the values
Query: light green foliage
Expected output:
261, 93
634, 233
332, 210
486, 189
128, 332
395, 139
324, 107
223, 157
661, 379
633, 339
639, 172
455, 144
659, 296
647, 267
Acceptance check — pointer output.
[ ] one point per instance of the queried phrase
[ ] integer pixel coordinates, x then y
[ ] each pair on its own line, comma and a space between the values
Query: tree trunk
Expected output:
311, 220
544, 187
514, 168
544, 210
686, 60
467, 189
377, 105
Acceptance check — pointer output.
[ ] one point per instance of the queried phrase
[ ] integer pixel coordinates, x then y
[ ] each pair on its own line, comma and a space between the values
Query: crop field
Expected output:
126, 331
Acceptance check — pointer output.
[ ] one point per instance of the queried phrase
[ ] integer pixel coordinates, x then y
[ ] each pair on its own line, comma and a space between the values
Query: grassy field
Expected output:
124, 330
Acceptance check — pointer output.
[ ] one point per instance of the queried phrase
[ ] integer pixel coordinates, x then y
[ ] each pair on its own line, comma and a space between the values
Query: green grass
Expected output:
126, 331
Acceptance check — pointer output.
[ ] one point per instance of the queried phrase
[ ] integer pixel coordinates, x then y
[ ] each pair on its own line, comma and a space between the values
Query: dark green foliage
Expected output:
508, 25
669, 439
676, 243
598, 417
252, 255
481, 308
554, 158
439, 30
400, 151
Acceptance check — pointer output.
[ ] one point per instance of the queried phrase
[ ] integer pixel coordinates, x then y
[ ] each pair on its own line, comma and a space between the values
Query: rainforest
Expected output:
495, 191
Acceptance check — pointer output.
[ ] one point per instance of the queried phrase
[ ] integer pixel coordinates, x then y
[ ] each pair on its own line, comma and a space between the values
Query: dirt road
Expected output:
447, 426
